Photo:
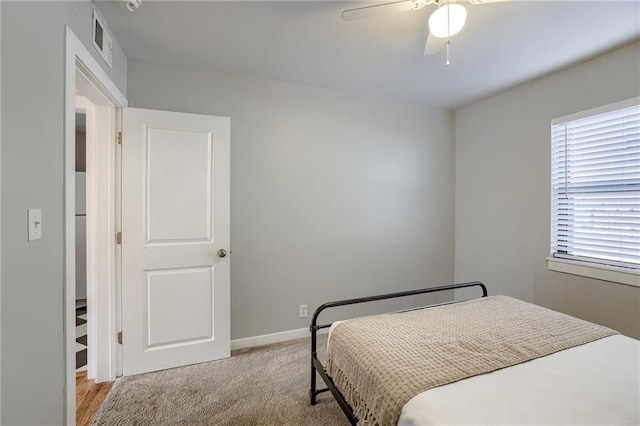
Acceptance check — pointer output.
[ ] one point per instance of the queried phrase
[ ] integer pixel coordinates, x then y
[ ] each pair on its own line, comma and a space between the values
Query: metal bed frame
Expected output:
316, 365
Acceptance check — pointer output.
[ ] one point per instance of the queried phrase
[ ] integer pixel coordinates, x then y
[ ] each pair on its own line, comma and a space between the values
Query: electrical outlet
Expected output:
302, 310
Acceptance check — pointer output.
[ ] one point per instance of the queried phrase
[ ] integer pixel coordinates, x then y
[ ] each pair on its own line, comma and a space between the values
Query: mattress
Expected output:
595, 383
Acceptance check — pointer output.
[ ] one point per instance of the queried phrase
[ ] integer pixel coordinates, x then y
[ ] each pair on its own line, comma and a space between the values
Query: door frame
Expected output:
80, 62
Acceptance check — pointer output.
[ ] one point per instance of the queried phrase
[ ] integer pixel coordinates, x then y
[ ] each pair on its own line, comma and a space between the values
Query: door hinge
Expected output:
119, 138
119, 337
119, 238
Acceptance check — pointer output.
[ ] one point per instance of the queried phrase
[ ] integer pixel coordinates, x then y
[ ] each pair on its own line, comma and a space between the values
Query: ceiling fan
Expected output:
445, 22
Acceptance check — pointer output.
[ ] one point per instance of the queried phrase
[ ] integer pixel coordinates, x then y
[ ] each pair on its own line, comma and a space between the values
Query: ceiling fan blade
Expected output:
486, 1
378, 9
433, 45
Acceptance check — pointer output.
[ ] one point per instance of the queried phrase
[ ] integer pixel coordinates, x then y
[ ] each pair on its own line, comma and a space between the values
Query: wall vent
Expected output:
102, 40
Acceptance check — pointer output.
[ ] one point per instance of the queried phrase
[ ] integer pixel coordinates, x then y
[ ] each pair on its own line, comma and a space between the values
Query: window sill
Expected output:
592, 270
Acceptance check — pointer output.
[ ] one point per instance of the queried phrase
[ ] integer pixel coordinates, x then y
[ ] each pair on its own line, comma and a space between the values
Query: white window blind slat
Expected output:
595, 180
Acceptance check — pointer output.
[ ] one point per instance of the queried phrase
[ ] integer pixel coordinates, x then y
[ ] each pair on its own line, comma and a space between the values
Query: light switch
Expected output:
35, 224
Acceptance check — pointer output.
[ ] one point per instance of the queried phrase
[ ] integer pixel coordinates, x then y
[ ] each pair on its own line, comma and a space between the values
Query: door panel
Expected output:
175, 218
178, 181
179, 306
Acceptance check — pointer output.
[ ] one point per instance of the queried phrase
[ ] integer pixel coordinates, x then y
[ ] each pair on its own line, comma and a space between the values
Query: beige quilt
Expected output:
380, 362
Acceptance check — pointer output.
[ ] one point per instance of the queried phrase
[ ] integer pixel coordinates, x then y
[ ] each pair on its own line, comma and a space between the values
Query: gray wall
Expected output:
333, 195
503, 190
33, 46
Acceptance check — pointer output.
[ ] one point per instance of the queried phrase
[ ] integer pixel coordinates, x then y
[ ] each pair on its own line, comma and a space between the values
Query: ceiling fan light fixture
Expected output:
447, 20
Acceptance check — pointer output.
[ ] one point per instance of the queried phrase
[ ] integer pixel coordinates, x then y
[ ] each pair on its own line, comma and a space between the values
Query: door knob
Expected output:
222, 253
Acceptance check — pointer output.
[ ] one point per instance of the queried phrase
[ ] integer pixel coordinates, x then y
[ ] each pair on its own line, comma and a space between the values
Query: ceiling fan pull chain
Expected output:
448, 33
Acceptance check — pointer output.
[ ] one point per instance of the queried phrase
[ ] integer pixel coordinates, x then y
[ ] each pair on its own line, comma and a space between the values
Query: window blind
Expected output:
595, 178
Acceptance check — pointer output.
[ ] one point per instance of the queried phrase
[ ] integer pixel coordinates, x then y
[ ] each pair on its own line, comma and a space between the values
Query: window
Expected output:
595, 179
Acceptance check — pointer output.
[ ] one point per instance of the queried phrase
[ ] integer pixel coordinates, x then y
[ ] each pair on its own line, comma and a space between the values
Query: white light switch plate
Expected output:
35, 224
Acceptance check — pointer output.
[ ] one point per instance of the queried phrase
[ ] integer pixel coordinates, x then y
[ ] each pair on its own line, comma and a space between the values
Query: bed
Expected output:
490, 360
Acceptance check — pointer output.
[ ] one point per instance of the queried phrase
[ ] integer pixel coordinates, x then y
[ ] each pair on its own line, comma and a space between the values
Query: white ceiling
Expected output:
306, 42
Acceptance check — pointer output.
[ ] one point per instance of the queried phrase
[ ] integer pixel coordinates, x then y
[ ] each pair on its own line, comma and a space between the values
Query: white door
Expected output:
175, 232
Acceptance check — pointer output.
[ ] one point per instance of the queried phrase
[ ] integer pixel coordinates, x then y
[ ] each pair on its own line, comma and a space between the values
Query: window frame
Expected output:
583, 267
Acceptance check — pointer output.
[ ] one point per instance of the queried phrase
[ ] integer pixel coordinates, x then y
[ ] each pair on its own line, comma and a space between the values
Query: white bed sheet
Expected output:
593, 384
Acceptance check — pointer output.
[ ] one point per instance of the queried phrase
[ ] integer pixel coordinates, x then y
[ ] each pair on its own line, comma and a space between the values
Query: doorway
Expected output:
81, 241
91, 120
90, 93
175, 304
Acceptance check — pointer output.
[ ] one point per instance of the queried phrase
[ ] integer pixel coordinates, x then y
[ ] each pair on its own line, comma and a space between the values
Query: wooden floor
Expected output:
89, 398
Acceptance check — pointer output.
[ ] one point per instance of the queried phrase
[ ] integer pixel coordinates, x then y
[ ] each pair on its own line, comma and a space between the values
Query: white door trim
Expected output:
76, 55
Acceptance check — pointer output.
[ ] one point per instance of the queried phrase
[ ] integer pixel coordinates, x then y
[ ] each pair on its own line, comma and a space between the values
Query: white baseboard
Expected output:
267, 339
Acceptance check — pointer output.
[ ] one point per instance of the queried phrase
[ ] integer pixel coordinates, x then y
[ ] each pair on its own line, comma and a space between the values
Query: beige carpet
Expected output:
268, 385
